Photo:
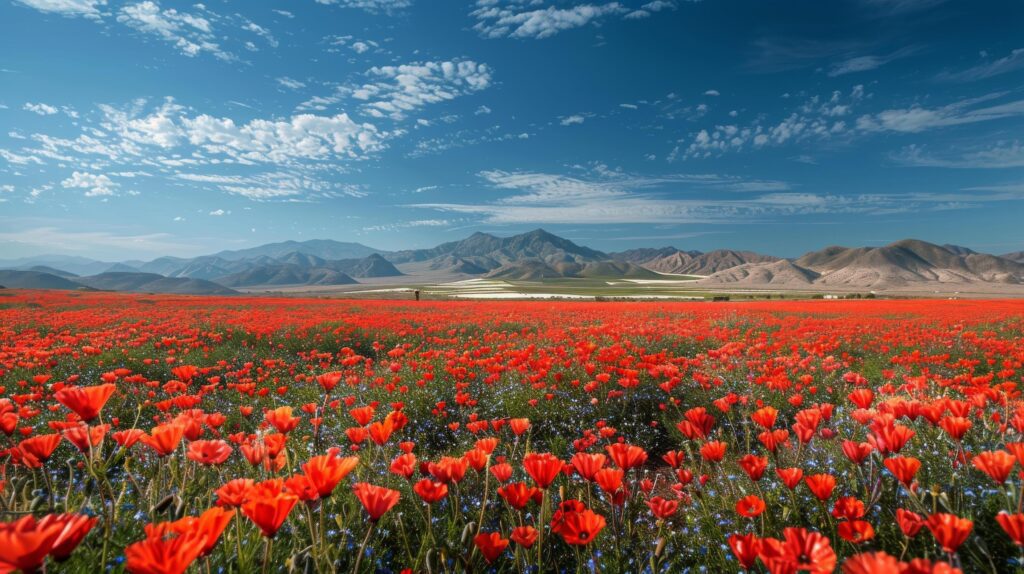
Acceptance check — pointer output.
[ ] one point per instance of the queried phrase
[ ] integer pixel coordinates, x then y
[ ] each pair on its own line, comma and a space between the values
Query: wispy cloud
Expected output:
371, 6
869, 62
528, 19
919, 118
1010, 63
72, 8
998, 156
192, 34
553, 198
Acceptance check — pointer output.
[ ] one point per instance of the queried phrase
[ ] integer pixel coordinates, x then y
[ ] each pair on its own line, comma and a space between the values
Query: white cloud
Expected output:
918, 118
395, 91
290, 83
94, 184
262, 32
865, 63
816, 119
999, 156
371, 6
523, 19
273, 186
572, 120
551, 198
1010, 63
40, 108
85, 8
482, 111
218, 212
191, 34
712, 93
360, 47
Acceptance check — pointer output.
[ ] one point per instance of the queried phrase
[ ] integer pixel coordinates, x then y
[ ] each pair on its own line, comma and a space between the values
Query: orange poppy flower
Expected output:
949, 530
164, 439
430, 491
267, 505
821, 485
996, 464
86, 402
208, 452
750, 506
524, 536
800, 550
626, 456
543, 468
377, 500
327, 470
577, 527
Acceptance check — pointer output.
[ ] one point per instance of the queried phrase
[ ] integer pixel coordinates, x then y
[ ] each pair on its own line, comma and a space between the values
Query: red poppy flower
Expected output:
577, 527
491, 545
904, 468
790, 476
40, 446
587, 464
519, 426
160, 555
609, 479
821, 485
874, 563
713, 451
662, 508
327, 470
848, 508
543, 468
282, 420
404, 465
377, 500
87, 402
857, 452
754, 466
746, 548
430, 491
765, 417
856, 531
208, 452
518, 494
800, 550
449, 469
524, 536
502, 471
909, 522
234, 492
267, 505
949, 530
750, 506
626, 456
75, 528
996, 464
164, 439
1013, 525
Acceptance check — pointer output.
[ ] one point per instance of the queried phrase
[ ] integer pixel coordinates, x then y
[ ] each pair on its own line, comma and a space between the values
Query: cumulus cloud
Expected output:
191, 34
523, 19
40, 108
572, 120
72, 8
817, 118
396, 91
94, 184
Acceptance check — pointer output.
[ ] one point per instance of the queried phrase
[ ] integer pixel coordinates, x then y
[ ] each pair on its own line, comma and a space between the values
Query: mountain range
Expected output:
532, 256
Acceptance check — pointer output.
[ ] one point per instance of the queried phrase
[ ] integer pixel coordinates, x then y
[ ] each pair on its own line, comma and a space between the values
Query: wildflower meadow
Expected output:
167, 434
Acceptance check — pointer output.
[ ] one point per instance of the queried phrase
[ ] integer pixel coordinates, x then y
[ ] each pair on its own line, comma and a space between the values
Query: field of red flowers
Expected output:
161, 434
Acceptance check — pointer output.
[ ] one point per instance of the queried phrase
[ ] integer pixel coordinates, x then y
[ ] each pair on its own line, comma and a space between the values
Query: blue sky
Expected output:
141, 128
